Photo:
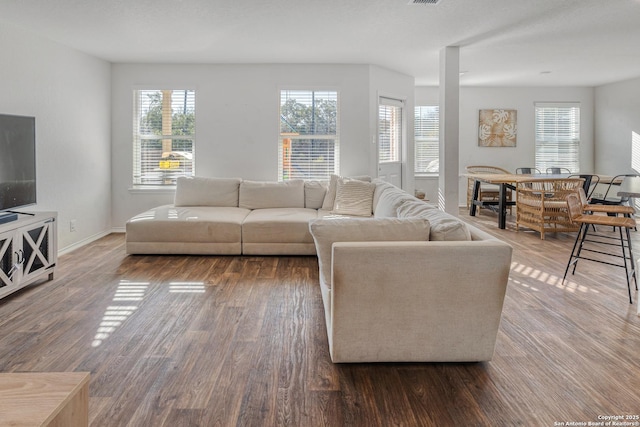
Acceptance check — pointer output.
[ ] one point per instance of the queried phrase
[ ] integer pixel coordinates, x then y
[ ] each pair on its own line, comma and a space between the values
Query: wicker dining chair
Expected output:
542, 205
488, 192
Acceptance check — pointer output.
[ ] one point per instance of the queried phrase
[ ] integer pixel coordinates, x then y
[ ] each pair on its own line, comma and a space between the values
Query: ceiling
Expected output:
502, 42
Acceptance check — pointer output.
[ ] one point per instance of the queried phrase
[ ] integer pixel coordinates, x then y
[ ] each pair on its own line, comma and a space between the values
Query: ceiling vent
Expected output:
424, 1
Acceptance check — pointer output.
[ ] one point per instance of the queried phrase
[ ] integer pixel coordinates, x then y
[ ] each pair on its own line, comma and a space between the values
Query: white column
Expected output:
449, 129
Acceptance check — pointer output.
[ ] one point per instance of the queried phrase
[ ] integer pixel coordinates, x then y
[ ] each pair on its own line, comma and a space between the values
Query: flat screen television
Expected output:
17, 162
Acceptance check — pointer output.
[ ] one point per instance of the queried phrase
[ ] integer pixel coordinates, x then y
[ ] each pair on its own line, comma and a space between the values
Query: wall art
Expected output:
498, 128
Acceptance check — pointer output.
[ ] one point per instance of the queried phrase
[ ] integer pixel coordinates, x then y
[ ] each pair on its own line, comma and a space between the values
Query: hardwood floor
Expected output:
219, 341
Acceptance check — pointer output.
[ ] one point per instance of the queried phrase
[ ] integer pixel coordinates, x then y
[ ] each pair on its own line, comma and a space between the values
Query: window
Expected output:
427, 145
389, 129
308, 146
163, 136
558, 136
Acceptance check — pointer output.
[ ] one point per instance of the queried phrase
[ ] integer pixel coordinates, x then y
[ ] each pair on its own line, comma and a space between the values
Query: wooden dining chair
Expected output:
597, 243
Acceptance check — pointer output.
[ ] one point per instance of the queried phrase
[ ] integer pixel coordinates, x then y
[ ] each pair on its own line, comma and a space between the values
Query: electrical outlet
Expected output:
72, 225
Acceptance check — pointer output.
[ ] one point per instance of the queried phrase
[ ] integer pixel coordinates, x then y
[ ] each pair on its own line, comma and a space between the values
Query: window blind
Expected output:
163, 136
557, 130
389, 129
308, 146
427, 131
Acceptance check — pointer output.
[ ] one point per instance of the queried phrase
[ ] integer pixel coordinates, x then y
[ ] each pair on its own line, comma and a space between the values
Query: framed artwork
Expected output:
498, 128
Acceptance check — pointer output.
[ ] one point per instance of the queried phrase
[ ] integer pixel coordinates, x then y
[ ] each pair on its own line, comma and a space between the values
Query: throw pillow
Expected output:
326, 231
199, 191
444, 227
354, 197
330, 197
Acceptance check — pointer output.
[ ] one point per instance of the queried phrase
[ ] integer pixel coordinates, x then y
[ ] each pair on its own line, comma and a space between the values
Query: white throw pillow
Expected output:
444, 227
354, 197
199, 191
330, 197
326, 231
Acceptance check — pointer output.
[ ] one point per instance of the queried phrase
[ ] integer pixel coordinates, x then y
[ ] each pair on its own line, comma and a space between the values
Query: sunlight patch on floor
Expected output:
115, 315
187, 287
546, 278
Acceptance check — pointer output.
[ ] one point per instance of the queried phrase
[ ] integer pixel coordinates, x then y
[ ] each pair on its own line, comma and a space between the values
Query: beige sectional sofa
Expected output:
401, 281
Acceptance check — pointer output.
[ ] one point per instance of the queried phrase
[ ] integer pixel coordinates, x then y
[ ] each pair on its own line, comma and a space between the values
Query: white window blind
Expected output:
163, 135
389, 129
309, 144
557, 128
427, 131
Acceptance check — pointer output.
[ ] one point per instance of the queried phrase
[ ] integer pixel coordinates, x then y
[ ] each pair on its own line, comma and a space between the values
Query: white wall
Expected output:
473, 99
68, 92
617, 127
237, 120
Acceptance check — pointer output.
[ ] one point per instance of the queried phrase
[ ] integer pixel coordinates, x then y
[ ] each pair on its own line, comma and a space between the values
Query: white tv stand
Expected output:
28, 250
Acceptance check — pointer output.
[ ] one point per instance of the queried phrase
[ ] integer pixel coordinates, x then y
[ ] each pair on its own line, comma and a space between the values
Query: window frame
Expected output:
395, 113
290, 133
419, 140
563, 136
180, 162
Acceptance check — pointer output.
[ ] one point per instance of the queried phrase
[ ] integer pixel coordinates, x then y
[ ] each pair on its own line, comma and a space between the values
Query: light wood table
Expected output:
506, 182
54, 399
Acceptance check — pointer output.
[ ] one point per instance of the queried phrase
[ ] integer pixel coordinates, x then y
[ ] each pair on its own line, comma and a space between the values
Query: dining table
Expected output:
508, 182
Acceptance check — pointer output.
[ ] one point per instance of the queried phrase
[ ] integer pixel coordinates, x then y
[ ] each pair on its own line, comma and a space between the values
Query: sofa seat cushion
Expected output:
444, 227
327, 231
278, 231
214, 226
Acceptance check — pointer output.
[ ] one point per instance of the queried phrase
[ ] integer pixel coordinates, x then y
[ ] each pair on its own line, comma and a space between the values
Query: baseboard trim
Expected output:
88, 240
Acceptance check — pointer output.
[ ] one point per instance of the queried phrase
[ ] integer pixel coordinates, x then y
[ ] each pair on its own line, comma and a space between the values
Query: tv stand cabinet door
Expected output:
7, 263
38, 254
28, 251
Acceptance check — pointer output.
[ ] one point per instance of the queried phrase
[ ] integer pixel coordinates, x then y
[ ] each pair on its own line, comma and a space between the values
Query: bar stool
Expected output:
576, 212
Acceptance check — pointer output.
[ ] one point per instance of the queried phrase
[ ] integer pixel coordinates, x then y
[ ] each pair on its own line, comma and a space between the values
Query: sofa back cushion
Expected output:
200, 191
443, 225
314, 192
265, 194
387, 198
326, 231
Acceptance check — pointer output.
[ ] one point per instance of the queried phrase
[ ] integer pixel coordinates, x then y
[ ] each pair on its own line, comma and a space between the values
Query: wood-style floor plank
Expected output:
219, 341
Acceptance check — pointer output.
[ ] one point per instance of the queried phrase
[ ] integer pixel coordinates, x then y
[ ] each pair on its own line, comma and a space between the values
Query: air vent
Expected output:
424, 1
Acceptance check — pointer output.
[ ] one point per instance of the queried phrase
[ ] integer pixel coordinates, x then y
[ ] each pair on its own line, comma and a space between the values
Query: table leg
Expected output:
502, 206
474, 197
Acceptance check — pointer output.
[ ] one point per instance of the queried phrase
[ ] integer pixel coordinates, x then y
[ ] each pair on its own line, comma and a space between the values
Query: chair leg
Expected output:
573, 251
585, 231
624, 258
633, 262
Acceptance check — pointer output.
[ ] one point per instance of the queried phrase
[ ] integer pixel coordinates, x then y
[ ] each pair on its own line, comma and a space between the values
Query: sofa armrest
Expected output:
417, 301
